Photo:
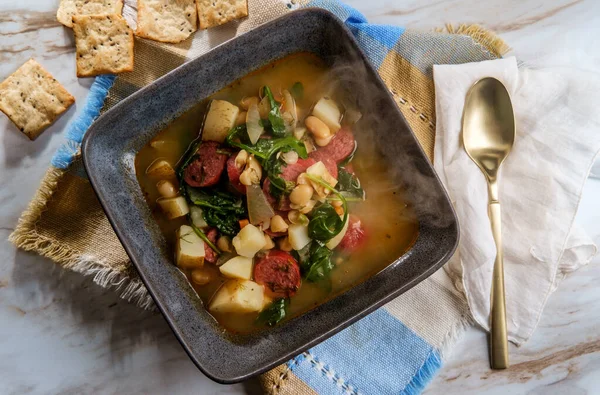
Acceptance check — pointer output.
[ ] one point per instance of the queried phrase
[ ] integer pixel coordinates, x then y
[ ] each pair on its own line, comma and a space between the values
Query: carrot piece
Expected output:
339, 210
243, 222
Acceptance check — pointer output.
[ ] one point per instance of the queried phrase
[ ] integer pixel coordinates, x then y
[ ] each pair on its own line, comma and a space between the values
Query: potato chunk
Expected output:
238, 296
298, 236
328, 112
189, 251
249, 241
219, 120
237, 267
174, 207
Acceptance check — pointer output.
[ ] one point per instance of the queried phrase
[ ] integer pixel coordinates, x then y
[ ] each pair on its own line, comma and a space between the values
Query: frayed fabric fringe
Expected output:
423, 376
25, 236
481, 36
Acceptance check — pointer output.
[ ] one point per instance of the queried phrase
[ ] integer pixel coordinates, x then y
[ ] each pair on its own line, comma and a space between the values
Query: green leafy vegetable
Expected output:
318, 265
325, 223
275, 118
348, 182
297, 91
279, 186
221, 210
203, 236
265, 148
187, 158
265, 151
276, 312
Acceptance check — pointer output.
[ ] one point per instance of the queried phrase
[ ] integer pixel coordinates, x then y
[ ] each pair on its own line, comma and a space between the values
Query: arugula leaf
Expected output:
221, 210
203, 236
279, 186
319, 264
348, 182
297, 90
265, 151
275, 118
276, 312
265, 148
324, 223
187, 158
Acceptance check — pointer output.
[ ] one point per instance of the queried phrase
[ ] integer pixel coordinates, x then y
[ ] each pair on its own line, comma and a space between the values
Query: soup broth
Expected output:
389, 225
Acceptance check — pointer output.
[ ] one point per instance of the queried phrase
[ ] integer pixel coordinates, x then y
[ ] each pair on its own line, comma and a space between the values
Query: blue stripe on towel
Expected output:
375, 40
77, 128
360, 358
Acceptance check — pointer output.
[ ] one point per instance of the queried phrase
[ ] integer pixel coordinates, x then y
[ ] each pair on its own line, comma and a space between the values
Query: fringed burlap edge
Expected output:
481, 36
25, 236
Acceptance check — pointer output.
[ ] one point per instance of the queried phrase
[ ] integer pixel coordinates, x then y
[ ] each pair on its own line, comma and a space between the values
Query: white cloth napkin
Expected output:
558, 136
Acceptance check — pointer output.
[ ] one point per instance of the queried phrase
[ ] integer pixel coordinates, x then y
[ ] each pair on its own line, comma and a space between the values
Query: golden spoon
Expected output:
488, 136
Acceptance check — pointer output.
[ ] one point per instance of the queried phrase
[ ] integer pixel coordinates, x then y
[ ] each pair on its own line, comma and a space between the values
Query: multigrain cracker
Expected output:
104, 44
68, 8
217, 12
169, 21
33, 99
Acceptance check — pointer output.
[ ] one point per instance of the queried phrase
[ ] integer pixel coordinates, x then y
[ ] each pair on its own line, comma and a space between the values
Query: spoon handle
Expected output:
499, 340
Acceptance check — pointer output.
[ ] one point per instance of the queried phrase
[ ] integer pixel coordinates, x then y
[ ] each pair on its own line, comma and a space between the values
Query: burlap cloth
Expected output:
66, 223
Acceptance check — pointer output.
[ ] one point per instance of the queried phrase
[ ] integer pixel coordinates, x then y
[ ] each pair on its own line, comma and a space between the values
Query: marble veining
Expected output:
60, 333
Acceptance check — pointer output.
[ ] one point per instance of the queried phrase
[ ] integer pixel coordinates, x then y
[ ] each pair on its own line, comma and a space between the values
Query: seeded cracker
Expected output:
217, 12
68, 8
33, 99
169, 21
104, 44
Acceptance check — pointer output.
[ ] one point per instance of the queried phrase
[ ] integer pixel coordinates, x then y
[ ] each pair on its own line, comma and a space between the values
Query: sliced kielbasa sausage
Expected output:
279, 272
338, 149
207, 168
355, 235
210, 255
234, 173
288, 173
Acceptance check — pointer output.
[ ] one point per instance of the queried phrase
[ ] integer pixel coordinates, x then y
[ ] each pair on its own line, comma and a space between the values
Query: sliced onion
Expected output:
259, 209
296, 217
264, 107
290, 116
253, 124
290, 157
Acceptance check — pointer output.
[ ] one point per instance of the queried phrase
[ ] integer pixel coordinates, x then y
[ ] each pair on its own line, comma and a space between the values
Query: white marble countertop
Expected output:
60, 333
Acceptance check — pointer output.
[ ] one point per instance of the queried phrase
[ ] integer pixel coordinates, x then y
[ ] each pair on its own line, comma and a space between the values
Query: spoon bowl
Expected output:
488, 137
488, 125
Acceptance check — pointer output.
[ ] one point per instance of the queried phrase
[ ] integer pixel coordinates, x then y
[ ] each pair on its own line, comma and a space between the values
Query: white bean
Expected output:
224, 244
301, 194
322, 142
285, 245
317, 127
278, 224
201, 277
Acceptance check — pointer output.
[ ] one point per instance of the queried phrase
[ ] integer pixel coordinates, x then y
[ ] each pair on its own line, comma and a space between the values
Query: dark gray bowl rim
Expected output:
86, 147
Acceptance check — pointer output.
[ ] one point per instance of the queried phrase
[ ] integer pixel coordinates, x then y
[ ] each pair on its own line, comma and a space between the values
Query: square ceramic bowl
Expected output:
110, 146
